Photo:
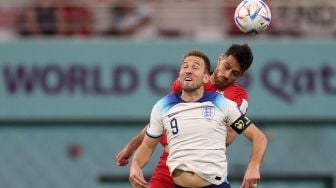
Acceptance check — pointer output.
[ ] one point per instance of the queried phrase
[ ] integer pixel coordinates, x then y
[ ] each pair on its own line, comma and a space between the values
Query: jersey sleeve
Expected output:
233, 113
240, 96
243, 106
233, 116
237, 120
155, 128
176, 87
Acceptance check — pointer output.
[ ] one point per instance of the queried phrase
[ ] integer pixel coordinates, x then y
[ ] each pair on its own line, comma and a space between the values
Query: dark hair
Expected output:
243, 54
202, 56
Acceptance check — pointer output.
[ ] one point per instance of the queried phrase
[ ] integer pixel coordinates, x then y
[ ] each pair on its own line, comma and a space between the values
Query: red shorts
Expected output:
161, 175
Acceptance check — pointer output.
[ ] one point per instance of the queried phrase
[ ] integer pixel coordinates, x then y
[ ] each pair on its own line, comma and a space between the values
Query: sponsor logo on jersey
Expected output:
172, 114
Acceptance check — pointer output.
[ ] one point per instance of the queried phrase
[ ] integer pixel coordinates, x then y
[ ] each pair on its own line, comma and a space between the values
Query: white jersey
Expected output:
196, 133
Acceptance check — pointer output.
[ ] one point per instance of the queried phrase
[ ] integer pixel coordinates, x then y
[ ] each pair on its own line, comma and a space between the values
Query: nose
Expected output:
188, 70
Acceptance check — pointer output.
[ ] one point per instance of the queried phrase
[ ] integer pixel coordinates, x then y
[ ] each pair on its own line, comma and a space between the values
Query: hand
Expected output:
122, 157
136, 177
251, 177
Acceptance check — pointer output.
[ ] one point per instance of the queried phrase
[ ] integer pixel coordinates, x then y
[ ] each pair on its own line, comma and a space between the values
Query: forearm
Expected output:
142, 156
144, 152
259, 145
140, 159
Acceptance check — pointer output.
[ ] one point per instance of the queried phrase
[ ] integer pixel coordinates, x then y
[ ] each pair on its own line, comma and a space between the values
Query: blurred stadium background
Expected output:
79, 78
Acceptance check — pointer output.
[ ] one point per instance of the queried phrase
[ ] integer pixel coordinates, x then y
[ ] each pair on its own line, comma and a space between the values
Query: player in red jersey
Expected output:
230, 67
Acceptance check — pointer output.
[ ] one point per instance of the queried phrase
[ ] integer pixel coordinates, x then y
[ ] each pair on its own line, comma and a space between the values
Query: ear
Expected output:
206, 78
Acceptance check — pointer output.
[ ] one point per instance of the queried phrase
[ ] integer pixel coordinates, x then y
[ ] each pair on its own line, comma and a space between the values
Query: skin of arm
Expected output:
123, 156
140, 159
259, 145
231, 135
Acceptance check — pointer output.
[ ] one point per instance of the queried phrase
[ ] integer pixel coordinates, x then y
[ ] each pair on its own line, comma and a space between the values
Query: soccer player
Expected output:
195, 123
230, 66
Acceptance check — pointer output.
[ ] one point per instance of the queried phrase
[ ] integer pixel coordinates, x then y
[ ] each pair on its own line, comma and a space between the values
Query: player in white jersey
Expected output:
196, 131
195, 123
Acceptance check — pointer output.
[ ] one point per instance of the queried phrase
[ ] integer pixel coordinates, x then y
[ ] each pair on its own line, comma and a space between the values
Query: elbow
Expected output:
263, 139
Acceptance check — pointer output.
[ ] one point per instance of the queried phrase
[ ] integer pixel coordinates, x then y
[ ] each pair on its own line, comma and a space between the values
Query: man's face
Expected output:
227, 71
192, 74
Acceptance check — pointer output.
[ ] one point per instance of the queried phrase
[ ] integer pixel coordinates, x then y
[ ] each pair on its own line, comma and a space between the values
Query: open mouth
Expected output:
187, 79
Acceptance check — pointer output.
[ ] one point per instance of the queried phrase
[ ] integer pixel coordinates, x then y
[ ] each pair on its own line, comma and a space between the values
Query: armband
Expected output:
241, 124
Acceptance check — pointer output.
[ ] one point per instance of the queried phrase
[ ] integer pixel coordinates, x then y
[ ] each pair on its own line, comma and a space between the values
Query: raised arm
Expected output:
123, 156
140, 159
241, 98
259, 144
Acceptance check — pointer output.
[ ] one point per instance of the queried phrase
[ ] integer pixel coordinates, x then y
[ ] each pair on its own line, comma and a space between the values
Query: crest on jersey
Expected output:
208, 112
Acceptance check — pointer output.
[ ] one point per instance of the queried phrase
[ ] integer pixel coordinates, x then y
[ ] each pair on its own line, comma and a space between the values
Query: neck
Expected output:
192, 96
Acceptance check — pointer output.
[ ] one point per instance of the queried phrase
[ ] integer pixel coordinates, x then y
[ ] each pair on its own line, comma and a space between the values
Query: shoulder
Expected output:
170, 98
165, 103
218, 100
236, 93
237, 89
